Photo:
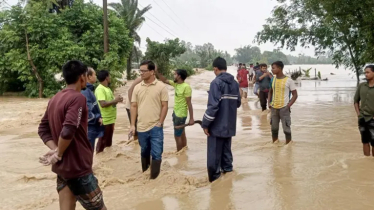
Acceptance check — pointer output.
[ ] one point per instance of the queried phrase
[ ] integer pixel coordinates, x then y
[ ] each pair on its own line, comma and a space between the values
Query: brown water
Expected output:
323, 169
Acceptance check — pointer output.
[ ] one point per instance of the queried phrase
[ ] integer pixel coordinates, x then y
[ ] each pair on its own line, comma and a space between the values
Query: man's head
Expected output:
251, 65
277, 67
369, 72
104, 77
180, 75
75, 72
91, 76
263, 67
219, 65
147, 69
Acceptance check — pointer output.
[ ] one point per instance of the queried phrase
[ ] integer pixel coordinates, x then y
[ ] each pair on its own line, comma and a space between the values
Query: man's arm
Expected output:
357, 100
44, 132
164, 104
293, 99
162, 78
134, 113
104, 104
190, 108
270, 95
213, 105
164, 111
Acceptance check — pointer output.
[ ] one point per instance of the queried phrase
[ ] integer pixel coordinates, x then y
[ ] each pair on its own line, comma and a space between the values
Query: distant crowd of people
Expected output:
79, 114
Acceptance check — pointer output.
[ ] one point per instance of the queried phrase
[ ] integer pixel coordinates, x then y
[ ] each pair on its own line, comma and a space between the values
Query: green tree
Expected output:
133, 17
338, 27
247, 54
162, 53
35, 44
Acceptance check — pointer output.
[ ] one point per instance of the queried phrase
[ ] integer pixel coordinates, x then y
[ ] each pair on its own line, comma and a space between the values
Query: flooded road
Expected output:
323, 169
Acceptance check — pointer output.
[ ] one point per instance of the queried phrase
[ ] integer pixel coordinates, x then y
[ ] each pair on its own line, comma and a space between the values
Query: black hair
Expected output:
72, 70
251, 64
90, 71
371, 67
279, 64
150, 65
102, 75
182, 73
263, 65
220, 63
240, 63
257, 64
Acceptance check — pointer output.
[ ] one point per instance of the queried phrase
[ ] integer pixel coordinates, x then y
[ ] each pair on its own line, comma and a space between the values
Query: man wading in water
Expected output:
365, 110
182, 102
219, 121
63, 129
279, 101
149, 102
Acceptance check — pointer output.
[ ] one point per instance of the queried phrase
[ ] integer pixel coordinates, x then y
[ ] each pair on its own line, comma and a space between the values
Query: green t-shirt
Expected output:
365, 96
109, 114
182, 91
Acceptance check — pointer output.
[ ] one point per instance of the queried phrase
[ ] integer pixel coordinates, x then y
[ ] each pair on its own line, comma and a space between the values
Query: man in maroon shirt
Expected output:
242, 78
63, 129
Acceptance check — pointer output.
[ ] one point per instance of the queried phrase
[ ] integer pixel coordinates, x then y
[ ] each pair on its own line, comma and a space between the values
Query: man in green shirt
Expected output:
365, 110
182, 102
107, 104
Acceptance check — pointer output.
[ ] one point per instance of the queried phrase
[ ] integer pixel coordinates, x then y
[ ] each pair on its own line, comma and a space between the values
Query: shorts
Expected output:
176, 122
244, 89
85, 189
367, 131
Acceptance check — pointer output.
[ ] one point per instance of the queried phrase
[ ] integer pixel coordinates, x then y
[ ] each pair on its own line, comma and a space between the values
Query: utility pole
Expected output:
106, 31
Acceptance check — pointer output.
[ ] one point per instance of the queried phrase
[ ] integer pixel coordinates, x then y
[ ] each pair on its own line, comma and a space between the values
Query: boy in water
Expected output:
242, 78
264, 78
182, 102
219, 121
280, 102
365, 110
63, 129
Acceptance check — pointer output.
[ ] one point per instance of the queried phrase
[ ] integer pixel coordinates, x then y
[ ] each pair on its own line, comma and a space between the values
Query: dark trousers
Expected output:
219, 156
106, 140
263, 99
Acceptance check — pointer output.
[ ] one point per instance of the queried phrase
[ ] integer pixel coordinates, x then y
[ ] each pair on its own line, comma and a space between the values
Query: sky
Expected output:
227, 24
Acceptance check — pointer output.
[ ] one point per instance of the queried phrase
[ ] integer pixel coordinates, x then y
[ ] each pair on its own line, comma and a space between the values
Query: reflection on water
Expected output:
323, 169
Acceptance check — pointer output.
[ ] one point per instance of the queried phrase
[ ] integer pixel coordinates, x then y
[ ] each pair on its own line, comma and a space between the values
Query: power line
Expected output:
175, 14
160, 21
160, 26
155, 30
165, 12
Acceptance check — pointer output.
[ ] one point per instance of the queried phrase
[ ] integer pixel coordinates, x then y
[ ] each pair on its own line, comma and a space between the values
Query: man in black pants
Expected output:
219, 121
264, 79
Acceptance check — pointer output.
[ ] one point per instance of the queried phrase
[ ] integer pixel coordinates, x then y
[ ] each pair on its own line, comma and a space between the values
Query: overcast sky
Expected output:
227, 24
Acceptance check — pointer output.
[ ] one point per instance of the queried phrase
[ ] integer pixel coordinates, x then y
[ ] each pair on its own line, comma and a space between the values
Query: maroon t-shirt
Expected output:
68, 108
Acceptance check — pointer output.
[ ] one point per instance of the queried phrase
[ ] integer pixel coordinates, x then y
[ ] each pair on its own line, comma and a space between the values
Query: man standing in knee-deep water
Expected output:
108, 108
63, 129
182, 103
365, 110
280, 102
242, 78
149, 102
219, 121
264, 80
95, 122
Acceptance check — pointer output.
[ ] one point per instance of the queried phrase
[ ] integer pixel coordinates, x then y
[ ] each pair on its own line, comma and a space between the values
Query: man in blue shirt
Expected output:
95, 122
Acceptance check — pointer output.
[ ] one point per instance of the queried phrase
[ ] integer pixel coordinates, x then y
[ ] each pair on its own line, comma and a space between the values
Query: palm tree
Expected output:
128, 10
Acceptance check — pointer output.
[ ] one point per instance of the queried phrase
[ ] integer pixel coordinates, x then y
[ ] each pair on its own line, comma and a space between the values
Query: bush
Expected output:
209, 67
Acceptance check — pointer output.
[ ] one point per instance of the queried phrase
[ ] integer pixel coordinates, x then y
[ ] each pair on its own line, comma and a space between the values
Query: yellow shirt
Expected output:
281, 92
148, 99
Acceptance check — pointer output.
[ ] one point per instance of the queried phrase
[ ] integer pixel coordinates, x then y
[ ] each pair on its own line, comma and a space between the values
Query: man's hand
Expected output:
118, 98
192, 121
132, 131
206, 131
159, 124
50, 158
101, 121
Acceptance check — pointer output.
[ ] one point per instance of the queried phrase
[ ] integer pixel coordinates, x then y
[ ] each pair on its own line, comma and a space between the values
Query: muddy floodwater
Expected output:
323, 169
